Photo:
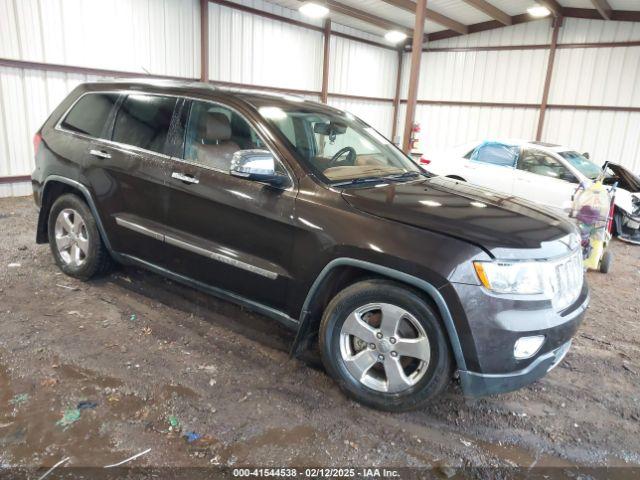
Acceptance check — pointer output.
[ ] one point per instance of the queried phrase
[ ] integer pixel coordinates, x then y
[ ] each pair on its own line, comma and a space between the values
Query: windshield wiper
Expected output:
356, 181
404, 175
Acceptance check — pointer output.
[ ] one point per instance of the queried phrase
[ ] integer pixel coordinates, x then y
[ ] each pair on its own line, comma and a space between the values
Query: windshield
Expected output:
338, 147
582, 164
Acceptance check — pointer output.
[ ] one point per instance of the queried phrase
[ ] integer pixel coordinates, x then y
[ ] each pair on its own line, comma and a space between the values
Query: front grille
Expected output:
566, 280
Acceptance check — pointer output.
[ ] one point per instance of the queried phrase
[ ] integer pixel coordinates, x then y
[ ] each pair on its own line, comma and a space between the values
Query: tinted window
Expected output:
143, 121
540, 163
89, 115
496, 154
215, 133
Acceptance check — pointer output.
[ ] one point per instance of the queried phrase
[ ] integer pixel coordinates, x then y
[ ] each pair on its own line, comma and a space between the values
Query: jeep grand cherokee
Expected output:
306, 214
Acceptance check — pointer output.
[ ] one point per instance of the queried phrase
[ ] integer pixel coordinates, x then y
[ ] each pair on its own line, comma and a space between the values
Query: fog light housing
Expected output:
527, 347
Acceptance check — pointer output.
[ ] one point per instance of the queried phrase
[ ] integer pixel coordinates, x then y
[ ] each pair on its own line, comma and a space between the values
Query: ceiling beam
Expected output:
553, 6
593, 14
490, 10
436, 17
603, 7
567, 12
366, 17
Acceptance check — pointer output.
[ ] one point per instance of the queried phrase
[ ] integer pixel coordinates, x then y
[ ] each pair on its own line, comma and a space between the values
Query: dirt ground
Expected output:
154, 362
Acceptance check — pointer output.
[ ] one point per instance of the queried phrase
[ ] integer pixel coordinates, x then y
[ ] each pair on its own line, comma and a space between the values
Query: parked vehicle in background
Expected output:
306, 214
544, 173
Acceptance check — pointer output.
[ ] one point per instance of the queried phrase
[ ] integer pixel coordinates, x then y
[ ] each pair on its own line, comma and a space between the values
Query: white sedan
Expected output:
540, 172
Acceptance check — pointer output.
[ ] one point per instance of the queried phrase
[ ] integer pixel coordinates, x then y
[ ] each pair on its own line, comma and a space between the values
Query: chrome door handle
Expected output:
184, 178
100, 154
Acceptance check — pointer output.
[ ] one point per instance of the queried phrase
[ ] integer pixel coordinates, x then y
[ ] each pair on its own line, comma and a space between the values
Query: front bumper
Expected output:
495, 323
482, 384
628, 228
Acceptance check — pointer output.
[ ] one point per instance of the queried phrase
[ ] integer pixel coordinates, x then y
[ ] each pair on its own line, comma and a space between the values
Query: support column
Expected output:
557, 23
414, 76
396, 99
324, 95
204, 40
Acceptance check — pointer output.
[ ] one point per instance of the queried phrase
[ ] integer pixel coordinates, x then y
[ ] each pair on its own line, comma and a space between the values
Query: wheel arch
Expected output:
54, 187
356, 270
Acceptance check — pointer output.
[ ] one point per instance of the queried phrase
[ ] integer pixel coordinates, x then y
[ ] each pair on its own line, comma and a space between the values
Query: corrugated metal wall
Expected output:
162, 37
246, 48
27, 97
156, 36
360, 69
582, 76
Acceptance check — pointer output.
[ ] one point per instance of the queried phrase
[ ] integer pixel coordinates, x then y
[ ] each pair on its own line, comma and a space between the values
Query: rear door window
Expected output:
143, 121
90, 114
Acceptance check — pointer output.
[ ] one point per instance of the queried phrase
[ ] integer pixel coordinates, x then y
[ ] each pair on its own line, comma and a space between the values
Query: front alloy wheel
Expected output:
385, 346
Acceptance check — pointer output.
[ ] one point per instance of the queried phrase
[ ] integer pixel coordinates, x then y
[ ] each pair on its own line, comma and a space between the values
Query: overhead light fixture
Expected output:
394, 36
313, 10
538, 11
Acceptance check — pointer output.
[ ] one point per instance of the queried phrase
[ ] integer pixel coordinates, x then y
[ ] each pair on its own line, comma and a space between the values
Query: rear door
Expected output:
128, 173
224, 231
543, 179
491, 166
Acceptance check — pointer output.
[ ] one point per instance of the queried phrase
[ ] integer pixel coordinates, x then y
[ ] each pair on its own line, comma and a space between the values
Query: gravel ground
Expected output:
156, 361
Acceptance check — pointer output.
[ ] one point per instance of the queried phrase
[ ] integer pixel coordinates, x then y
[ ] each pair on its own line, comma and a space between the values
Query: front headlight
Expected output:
558, 279
525, 278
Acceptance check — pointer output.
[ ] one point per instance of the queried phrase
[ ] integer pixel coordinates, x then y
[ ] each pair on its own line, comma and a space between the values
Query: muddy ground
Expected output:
160, 361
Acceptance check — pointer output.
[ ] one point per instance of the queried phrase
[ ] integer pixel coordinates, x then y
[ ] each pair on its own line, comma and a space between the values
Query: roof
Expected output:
255, 98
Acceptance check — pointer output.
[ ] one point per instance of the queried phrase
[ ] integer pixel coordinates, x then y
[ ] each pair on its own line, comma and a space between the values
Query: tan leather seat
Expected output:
216, 149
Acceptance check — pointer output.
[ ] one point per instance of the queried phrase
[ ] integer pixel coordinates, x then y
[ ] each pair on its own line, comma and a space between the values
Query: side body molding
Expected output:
420, 284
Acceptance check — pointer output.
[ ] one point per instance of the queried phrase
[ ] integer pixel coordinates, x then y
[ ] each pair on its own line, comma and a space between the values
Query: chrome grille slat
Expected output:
566, 284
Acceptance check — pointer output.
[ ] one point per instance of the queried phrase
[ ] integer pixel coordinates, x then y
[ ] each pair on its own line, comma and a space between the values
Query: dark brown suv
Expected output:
306, 214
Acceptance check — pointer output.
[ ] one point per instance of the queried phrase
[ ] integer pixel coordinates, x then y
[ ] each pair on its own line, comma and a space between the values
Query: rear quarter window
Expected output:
89, 115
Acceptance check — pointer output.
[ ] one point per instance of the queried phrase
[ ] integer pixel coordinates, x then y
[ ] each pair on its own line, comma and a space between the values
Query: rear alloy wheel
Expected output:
74, 239
385, 346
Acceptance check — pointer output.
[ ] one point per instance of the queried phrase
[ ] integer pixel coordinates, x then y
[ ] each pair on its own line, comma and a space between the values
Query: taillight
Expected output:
425, 161
37, 138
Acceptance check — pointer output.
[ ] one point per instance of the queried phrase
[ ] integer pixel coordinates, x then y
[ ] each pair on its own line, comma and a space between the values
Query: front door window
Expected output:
541, 163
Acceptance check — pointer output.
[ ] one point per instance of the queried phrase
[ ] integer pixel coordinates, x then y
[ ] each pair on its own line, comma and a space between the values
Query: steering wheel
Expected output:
351, 156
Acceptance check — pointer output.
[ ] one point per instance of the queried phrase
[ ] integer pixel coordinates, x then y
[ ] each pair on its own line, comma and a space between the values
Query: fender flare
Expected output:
88, 198
391, 273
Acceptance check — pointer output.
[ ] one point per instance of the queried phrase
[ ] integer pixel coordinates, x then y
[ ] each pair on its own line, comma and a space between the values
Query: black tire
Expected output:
97, 260
438, 371
606, 262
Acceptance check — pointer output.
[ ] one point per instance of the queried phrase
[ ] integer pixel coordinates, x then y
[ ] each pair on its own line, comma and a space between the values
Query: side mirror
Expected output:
586, 155
258, 166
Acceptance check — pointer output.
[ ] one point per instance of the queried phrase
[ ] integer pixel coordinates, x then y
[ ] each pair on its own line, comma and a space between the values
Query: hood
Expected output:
489, 219
626, 179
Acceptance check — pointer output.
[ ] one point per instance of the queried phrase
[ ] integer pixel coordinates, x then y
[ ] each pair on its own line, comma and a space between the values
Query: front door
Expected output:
541, 178
224, 231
